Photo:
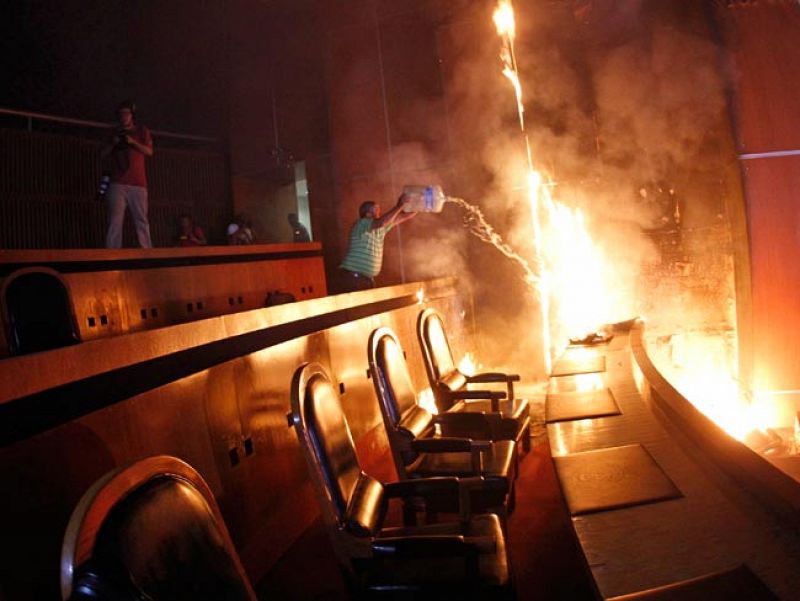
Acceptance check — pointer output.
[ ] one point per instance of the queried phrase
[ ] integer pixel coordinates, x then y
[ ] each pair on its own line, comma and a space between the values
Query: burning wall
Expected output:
617, 100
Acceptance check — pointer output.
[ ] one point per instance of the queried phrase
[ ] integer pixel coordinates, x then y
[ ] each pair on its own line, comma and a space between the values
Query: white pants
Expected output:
118, 197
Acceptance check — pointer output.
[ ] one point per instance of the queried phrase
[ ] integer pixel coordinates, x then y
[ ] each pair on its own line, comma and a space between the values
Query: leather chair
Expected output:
151, 530
419, 450
38, 312
450, 385
464, 559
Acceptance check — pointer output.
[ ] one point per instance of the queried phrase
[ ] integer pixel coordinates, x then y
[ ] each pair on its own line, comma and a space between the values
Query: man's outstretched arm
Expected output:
402, 217
390, 217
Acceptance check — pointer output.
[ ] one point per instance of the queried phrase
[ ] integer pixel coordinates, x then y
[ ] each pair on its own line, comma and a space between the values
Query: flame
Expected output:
504, 19
570, 279
718, 396
702, 369
581, 301
420, 294
467, 365
504, 22
514, 79
427, 401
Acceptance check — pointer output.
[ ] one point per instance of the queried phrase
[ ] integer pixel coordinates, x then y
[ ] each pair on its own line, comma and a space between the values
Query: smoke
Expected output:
656, 102
443, 255
623, 111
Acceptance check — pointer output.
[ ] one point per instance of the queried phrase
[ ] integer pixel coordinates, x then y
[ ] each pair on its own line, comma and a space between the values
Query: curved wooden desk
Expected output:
655, 516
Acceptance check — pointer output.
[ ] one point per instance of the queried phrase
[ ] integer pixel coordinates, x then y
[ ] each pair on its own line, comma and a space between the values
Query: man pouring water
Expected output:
364, 257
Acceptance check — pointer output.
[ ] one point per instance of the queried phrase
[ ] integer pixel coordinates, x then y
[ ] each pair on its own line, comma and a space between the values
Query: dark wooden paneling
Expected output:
48, 184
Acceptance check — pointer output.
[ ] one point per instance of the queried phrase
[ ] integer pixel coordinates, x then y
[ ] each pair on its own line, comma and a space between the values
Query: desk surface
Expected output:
713, 526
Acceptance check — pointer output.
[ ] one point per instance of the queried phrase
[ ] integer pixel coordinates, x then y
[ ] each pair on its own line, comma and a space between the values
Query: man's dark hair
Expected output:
127, 104
367, 206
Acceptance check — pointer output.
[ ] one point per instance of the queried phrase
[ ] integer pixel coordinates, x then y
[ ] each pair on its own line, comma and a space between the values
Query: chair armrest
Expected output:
487, 377
426, 488
493, 395
422, 487
492, 376
442, 445
477, 394
479, 447
478, 424
433, 546
455, 445
413, 547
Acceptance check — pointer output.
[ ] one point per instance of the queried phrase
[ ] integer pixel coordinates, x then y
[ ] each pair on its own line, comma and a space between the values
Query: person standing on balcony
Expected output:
364, 258
126, 152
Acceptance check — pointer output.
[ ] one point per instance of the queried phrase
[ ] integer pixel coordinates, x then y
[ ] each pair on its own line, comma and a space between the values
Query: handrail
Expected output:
769, 154
30, 115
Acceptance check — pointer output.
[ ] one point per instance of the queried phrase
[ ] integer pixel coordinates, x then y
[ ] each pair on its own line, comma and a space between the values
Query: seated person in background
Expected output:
190, 234
299, 231
240, 232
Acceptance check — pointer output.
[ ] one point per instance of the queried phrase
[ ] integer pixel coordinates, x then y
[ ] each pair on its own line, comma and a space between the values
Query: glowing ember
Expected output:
514, 79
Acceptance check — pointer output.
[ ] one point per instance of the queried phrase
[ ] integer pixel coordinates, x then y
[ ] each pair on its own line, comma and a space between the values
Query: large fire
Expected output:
701, 367
570, 280
569, 275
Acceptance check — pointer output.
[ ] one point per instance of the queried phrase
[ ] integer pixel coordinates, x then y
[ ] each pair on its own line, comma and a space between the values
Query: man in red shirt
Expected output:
129, 146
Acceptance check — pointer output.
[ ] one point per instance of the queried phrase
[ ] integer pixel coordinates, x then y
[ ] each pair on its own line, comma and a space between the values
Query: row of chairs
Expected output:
153, 530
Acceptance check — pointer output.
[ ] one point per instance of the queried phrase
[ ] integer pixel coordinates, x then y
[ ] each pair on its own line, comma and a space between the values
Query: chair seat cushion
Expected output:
433, 574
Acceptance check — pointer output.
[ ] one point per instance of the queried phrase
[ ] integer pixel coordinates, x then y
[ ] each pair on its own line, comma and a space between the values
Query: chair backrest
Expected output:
151, 530
38, 312
405, 419
353, 503
435, 347
443, 374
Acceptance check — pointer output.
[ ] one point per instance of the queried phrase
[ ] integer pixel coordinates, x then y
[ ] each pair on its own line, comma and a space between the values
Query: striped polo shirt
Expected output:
365, 254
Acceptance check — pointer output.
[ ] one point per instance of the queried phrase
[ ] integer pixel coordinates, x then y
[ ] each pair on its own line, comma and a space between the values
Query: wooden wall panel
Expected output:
142, 290
761, 39
771, 187
767, 74
220, 389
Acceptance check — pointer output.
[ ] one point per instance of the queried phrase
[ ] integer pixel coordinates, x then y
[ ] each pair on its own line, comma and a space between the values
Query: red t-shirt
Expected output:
197, 235
127, 163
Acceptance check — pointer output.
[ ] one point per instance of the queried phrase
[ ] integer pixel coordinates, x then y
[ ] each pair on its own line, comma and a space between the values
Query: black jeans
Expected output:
352, 281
